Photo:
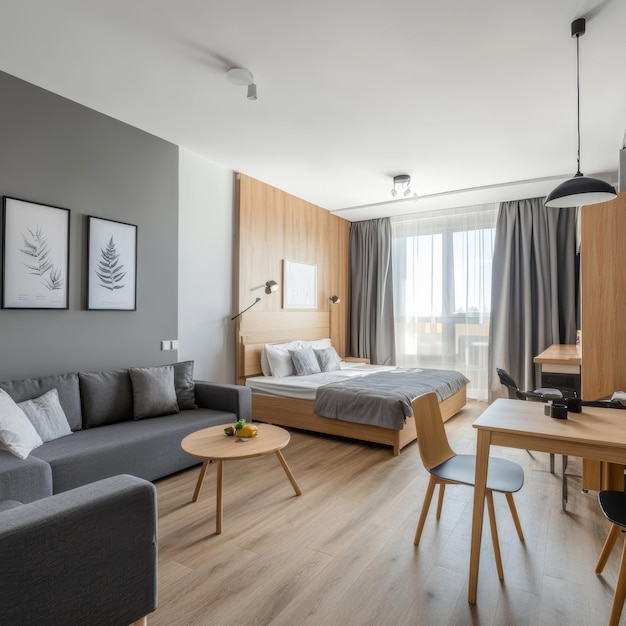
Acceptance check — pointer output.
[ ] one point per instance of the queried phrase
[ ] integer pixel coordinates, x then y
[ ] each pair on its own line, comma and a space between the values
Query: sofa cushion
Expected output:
184, 385
154, 393
107, 397
17, 434
5, 505
24, 480
65, 384
46, 415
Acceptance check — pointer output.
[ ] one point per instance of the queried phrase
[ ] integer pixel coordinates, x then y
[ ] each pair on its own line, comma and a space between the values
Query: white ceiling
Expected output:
460, 94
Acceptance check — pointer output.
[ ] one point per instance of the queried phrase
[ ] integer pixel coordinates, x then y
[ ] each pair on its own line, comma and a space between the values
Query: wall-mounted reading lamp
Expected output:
270, 287
335, 299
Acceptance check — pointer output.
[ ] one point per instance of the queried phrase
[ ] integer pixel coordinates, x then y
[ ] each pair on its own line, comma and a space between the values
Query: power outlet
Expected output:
174, 343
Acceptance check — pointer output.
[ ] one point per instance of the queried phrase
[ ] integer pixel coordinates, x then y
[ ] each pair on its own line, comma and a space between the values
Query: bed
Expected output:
278, 406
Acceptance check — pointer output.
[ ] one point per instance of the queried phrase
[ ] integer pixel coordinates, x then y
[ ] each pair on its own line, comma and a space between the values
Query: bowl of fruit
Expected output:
243, 431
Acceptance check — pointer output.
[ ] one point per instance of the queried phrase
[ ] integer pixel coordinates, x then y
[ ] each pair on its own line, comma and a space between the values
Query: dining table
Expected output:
594, 433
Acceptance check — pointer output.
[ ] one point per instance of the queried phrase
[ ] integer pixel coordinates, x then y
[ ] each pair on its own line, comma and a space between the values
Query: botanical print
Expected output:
37, 248
35, 255
111, 272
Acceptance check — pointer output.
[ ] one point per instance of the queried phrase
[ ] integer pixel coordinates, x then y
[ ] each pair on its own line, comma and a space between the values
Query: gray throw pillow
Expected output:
47, 416
107, 397
304, 362
328, 359
153, 391
184, 385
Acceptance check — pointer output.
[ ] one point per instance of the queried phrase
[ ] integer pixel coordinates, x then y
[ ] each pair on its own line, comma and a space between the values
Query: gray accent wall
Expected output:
54, 151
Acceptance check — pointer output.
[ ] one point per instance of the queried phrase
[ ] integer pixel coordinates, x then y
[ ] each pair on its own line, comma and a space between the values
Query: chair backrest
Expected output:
507, 380
431, 434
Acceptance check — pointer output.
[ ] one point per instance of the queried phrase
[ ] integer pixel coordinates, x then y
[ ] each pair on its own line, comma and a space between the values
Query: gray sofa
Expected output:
85, 556
110, 435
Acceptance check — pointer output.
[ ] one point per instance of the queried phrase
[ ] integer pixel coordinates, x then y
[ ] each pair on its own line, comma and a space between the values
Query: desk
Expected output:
560, 367
596, 433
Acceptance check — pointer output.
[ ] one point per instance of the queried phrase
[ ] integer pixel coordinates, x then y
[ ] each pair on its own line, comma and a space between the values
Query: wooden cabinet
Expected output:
603, 313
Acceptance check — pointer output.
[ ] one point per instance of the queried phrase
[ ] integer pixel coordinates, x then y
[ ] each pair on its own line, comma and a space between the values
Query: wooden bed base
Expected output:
294, 413
261, 328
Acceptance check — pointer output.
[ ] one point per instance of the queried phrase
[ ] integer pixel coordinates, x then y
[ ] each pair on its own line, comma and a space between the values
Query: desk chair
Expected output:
613, 505
448, 468
543, 394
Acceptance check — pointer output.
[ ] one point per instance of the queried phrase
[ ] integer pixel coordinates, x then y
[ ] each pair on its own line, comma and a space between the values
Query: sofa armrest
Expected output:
24, 480
84, 556
224, 397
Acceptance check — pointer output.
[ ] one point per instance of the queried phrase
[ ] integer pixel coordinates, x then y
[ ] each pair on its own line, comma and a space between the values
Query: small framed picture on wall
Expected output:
35, 255
112, 265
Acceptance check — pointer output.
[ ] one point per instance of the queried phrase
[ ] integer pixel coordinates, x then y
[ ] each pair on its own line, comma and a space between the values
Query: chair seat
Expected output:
502, 476
548, 392
613, 505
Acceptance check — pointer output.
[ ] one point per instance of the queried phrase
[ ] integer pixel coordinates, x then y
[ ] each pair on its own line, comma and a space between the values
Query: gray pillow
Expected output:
107, 397
328, 359
184, 385
154, 393
304, 362
47, 416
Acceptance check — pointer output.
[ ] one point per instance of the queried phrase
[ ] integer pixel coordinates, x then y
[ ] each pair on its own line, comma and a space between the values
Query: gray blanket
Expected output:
384, 398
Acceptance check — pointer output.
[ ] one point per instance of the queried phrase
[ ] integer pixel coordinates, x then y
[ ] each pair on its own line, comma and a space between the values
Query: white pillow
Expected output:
318, 344
47, 416
279, 359
17, 434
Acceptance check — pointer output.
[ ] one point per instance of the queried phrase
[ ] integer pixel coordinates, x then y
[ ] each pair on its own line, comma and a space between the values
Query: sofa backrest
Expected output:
107, 397
66, 385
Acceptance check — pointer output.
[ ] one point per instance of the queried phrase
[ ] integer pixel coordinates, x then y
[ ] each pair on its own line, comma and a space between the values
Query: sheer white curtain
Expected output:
442, 290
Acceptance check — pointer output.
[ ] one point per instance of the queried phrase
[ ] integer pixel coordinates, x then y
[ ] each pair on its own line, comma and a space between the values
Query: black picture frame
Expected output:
111, 265
35, 255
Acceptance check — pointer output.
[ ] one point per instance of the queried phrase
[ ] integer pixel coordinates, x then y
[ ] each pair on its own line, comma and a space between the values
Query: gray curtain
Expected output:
534, 286
371, 324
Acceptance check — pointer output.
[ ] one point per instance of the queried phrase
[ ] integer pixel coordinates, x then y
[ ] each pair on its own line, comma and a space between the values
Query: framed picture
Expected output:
112, 265
35, 252
299, 286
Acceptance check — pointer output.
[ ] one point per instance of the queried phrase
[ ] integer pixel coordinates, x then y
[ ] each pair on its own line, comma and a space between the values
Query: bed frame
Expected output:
294, 413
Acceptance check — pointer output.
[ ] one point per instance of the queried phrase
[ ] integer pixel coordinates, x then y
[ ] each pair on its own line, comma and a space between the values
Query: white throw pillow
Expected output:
17, 434
317, 344
279, 358
46, 414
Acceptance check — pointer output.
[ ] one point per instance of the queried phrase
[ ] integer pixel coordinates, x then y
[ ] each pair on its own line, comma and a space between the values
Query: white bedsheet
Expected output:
304, 387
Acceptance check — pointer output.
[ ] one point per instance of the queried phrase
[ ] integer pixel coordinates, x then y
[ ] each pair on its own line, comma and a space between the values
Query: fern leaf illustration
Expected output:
109, 271
38, 250
54, 280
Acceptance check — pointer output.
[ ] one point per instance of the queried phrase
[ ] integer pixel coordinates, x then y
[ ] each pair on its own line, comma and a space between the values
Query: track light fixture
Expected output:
579, 190
403, 181
243, 78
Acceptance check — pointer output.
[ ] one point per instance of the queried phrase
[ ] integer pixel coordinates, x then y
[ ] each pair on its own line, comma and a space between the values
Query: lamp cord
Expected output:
578, 173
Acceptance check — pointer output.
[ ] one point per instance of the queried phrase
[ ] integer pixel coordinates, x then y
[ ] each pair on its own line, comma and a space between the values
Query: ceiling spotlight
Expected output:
242, 78
404, 182
579, 190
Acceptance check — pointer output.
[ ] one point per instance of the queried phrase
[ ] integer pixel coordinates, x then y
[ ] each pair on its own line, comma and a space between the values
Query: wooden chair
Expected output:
613, 505
448, 468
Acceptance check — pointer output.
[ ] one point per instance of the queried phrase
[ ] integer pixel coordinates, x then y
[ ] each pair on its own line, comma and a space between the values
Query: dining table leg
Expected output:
480, 487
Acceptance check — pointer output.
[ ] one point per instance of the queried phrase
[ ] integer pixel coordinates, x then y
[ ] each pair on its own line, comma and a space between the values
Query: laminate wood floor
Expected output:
342, 554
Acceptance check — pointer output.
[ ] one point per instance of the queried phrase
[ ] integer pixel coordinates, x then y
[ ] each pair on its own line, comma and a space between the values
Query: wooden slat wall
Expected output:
274, 226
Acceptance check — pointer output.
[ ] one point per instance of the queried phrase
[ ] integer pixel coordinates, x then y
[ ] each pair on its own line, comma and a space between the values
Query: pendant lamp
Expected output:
579, 190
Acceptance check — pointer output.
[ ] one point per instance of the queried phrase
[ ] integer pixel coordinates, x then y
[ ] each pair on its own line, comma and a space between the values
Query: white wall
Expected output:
205, 267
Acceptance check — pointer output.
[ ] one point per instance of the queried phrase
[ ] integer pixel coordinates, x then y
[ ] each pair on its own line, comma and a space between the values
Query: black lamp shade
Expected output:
580, 191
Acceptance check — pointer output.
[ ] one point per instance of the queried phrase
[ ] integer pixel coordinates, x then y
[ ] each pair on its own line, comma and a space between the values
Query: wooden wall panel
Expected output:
603, 311
274, 226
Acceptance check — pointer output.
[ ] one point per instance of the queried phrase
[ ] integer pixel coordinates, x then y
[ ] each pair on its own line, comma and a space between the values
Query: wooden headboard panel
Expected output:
259, 328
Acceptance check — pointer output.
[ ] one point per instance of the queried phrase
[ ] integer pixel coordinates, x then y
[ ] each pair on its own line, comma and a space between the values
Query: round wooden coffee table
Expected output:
211, 444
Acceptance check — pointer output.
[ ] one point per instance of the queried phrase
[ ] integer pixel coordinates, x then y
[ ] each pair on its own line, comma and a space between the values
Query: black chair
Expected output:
613, 505
543, 394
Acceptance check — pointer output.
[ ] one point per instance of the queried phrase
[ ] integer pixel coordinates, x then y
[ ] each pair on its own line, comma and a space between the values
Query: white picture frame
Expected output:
112, 265
35, 252
299, 285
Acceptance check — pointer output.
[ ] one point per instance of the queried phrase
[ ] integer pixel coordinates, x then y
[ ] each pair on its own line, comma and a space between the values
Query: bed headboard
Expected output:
259, 328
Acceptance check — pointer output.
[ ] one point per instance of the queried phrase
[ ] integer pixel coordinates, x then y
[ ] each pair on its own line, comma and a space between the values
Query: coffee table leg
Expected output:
196, 493
290, 476
219, 508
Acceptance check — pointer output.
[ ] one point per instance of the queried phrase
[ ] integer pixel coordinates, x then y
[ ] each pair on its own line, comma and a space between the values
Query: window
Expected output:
442, 290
